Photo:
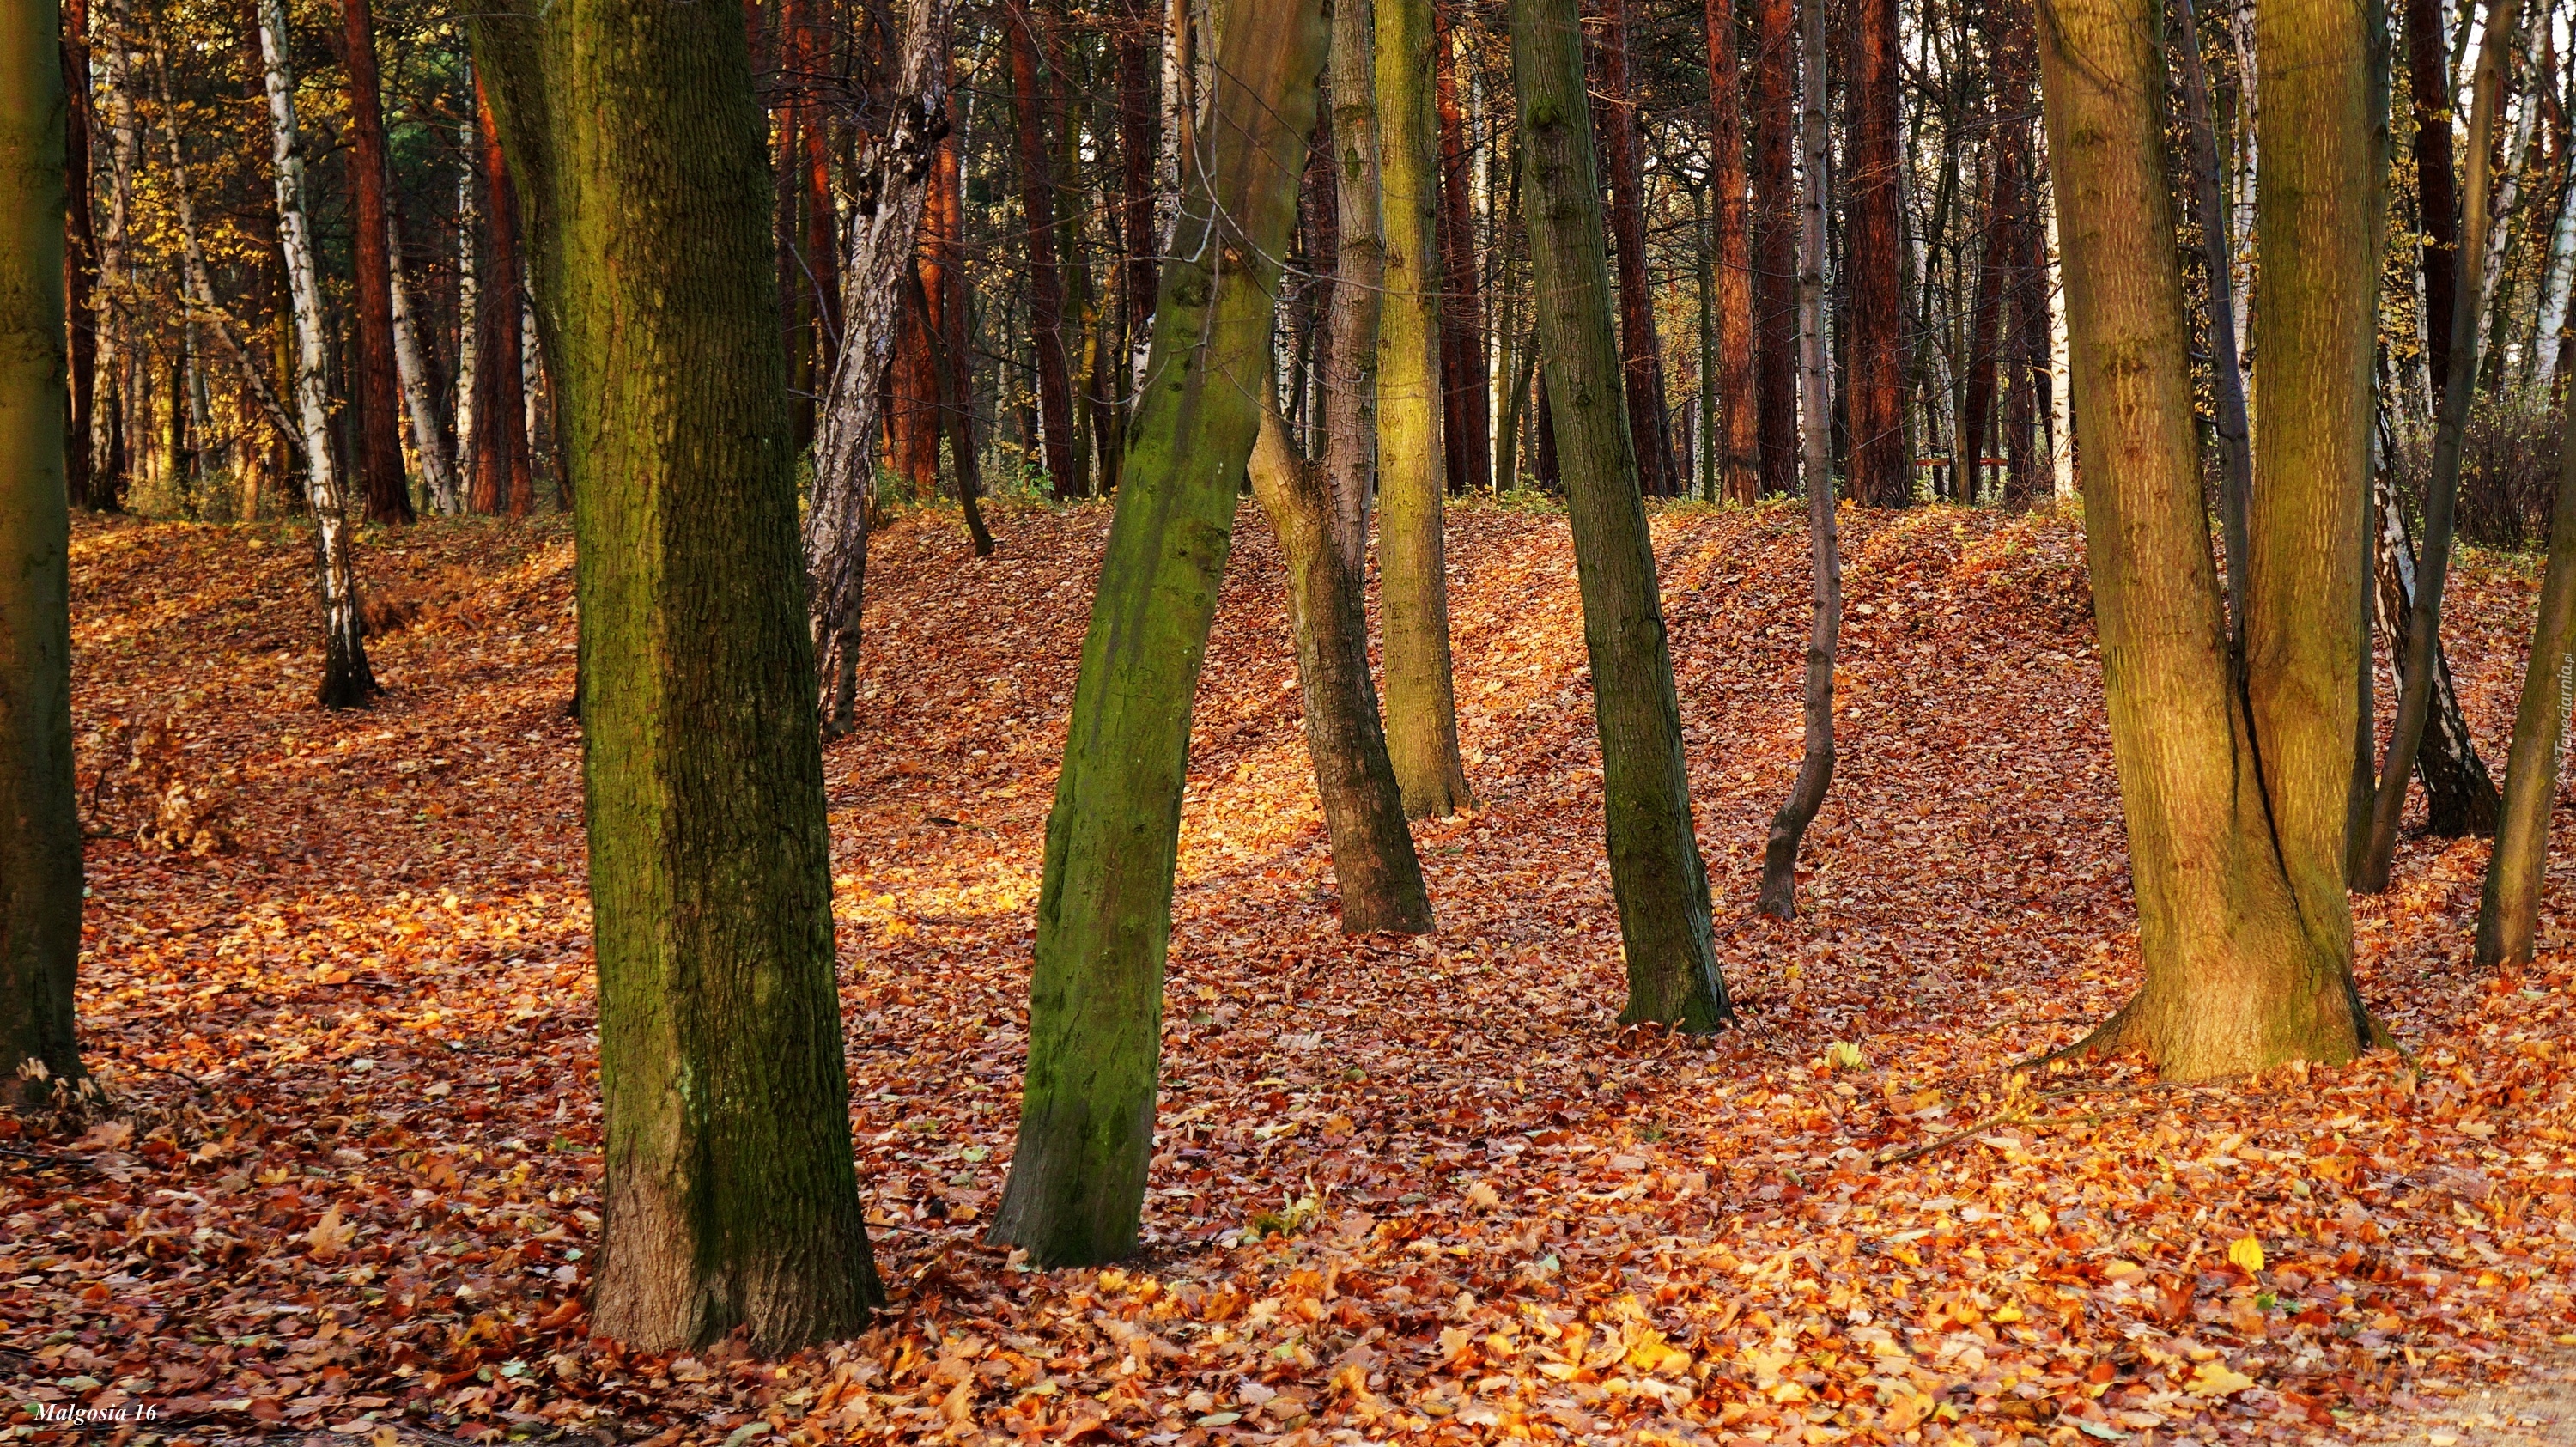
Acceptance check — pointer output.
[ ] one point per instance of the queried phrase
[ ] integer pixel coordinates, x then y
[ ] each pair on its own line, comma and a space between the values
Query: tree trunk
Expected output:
1033, 105
1077, 1181
80, 251
1373, 858
419, 384
822, 227
2243, 924
346, 679
957, 414
2458, 794
503, 480
731, 1199
40, 851
2441, 488
1467, 399
2509, 906
2437, 200
1140, 117
1779, 897
380, 413
1413, 577
885, 220
1994, 271
1882, 457
109, 403
1359, 263
1656, 873
1641, 352
1739, 448
2235, 436
469, 324
1775, 245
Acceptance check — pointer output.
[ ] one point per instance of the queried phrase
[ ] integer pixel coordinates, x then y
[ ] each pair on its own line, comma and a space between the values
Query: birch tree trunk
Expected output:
419, 385
346, 679
469, 360
885, 220
40, 850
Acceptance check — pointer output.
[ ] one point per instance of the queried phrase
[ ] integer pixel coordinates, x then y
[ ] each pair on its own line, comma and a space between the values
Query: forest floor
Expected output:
338, 992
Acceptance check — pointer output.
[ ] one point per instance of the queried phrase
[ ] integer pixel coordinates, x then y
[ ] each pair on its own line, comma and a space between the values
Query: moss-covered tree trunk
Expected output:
1373, 858
1656, 872
1412, 552
2235, 801
40, 842
731, 1197
2509, 909
1077, 1180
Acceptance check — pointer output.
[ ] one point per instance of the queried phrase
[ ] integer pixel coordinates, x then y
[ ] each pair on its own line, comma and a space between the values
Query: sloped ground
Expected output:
351, 1181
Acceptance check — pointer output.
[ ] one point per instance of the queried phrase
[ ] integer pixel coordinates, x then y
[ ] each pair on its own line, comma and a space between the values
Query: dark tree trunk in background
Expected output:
1033, 86
378, 393
1550, 468
1881, 467
1994, 272
2437, 195
1774, 114
502, 481
796, 66
1140, 126
822, 233
80, 251
1738, 451
1468, 411
1641, 357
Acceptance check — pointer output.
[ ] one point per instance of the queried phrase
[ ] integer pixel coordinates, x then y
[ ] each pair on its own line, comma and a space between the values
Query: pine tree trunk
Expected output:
1359, 281
1882, 457
80, 255
2509, 906
1373, 859
1413, 578
1994, 270
1033, 106
1077, 1180
731, 1200
1656, 873
1140, 115
1467, 413
346, 679
1775, 245
885, 221
1641, 352
40, 851
502, 478
380, 412
2243, 924
1736, 422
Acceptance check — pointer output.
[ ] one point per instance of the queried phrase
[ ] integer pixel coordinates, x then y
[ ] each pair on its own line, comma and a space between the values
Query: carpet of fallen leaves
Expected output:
338, 991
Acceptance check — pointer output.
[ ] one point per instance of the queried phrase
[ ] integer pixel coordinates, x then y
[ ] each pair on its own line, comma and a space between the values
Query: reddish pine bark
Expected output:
1468, 399
1774, 114
1641, 358
1880, 468
1739, 455
2437, 197
380, 414
1033, 107
502, 480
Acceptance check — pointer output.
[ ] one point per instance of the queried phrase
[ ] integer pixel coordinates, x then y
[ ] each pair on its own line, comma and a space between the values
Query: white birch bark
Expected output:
346, 680
469, 354
2555, 286
436, 468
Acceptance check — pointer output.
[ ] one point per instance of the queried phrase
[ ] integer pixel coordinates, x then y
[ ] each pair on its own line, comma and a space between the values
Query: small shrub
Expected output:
2508, 474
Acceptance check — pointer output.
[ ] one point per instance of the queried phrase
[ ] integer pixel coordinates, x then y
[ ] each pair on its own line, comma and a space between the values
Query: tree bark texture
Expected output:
380, 412
40, 850
2459, 797
1373, 859
1736, 422
1882, 456
1077, 1182
1656, 873
2437, 196
1466, 391
2227, 374
1641, 352
731, 1200
503, 476
1775, 245
1359, 280
2235, 802
1413, 577
80, 251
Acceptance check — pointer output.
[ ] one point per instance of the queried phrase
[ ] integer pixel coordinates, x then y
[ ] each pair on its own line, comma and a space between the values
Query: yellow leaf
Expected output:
2247, 1252
329, 1236
2216, 1379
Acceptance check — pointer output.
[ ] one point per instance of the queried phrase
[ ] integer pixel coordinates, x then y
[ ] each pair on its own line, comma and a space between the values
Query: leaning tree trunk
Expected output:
1413, 576
1373, 858
2459, 796
885, 219
1882, 457
731, 1198
1779, 897
1775, 245
2509, 907
1656, 873
2242, 919
346, 679
1359, 277
1077, 1182
2423, 633
380, 414
1739, 454
40, 850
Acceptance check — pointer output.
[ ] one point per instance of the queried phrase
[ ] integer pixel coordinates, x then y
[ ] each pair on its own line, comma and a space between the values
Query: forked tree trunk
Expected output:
1882, 457
1033, 101
731, 1200
1077, 1180
40, 850
1775, 245
1656, 873
885, 220
2243, 923
1739, 451
2509, 907
1359, 276
346, 679
2442, 487
1412, 549
2459, 796
380, 414
1373, 859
